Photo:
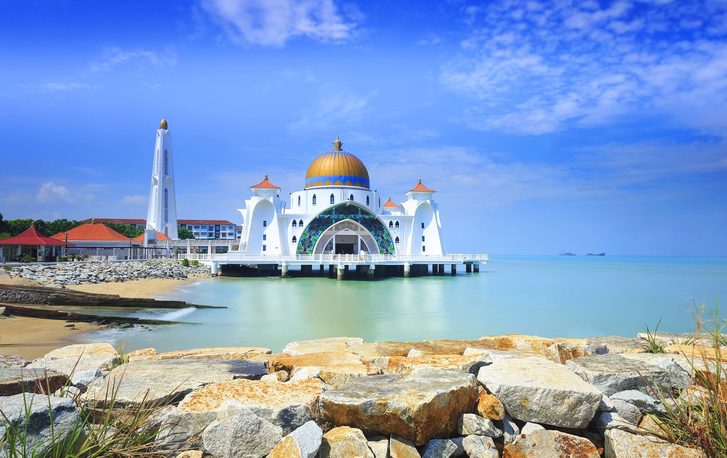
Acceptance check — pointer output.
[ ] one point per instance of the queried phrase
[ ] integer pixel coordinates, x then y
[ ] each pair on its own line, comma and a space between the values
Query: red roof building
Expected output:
31, 243
91, 232
141, 238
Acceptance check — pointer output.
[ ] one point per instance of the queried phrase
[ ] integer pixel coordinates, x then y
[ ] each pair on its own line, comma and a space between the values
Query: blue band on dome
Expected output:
331, 180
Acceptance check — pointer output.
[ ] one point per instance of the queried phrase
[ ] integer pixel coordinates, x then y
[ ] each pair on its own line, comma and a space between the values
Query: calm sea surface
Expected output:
550, 296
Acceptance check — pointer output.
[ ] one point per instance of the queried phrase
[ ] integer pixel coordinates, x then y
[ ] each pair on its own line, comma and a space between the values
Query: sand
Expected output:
148, 288
34, 337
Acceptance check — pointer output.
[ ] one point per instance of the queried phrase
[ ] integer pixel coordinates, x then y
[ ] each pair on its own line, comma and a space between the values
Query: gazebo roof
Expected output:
31, 236
95, 232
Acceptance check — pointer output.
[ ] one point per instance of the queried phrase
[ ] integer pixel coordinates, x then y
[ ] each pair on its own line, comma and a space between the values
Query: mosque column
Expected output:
340, 272
284, 270
407, 270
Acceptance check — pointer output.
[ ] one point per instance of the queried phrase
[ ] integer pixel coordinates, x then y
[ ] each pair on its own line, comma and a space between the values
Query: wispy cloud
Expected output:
53, 192
274, 22
114, 57
134, 200
61, 86
335, 112
540, 67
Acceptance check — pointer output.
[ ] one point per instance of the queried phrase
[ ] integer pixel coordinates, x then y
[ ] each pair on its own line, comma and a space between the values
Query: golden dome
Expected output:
337, 168
163, 124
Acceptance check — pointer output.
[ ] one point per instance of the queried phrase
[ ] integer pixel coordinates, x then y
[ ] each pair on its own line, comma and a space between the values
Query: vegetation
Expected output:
184, 233
699, 418
651, 342
185, 262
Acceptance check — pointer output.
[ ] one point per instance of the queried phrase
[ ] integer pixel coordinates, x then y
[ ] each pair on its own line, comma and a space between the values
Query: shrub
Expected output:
651, 341
27, 258
195, 263
62, 259
185, 262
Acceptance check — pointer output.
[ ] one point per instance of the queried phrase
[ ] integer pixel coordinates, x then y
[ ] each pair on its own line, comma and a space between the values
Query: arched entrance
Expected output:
363, 225
346, 237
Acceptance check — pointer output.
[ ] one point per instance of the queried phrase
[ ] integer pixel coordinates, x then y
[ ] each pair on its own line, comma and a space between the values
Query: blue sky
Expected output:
545, 126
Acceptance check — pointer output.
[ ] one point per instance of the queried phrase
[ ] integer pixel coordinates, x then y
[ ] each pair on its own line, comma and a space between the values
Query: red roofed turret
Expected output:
421, 187
265, 184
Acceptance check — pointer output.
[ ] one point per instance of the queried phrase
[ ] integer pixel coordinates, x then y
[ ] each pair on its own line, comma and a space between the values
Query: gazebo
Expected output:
31, 243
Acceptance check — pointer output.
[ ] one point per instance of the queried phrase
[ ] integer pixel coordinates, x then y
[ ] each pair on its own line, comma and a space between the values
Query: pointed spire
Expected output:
163, 124
337, 144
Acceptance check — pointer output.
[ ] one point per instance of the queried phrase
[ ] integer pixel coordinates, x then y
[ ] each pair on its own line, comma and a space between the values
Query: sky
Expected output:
545, 126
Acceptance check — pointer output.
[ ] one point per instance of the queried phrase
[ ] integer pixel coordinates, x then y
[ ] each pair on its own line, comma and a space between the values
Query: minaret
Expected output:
162, 213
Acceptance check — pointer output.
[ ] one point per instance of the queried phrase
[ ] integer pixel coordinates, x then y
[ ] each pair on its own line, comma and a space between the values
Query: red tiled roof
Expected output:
140, 238
390, 203
31, 236
266, 184
420, 187
91, 231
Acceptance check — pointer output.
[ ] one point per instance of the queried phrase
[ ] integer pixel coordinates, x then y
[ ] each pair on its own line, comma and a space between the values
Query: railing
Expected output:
336, 258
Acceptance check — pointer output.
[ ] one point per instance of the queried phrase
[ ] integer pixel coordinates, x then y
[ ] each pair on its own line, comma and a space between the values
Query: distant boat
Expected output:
596, 254
567, 253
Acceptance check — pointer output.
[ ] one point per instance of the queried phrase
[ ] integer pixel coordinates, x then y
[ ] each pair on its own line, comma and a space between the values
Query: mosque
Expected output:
337, 213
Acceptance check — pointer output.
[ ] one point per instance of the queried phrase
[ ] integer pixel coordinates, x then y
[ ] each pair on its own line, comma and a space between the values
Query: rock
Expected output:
12, 361
402, 448
191, 454
332, 368
304, 373
550, 444
304, 442
621, 444
238, 432
330, 344
530, 428
614, 373
490, 407
479, 447
444, 448
541, 391
379, 445
288, 405
165, 381
179, 429
643, 402
219, 353
278, 376
611, 420
406, 364
421, 406
470, 424
560, 352
606, 405
31, 415
613, 345
345, 442
142, 353
414, 353
628, 412
15, 380
82, 363
510, 430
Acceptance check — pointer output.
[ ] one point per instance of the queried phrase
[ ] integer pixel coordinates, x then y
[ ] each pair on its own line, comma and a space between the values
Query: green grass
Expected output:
651, 342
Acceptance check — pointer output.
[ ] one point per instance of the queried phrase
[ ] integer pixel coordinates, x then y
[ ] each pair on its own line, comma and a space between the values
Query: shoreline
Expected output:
34, 337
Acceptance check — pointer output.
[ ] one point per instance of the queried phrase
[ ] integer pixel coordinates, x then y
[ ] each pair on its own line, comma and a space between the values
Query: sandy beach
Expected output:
149, 288
34, 337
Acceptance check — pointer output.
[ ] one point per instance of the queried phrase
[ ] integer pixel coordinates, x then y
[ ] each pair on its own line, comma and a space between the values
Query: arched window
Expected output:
350, 197
295, 223
314, 199
299, 201
423, 240
424, 248
396, 240
265, 223
391, 224
265, 236
367, 201
422, 225
333, 199
396, 225
295, 240
300, 223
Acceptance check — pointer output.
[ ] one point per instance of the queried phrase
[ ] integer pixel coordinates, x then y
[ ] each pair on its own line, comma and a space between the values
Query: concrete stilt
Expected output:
468, 267
407, 270
441, 269
215, 269
477, 267
370, 272
284, 270
340, 272
453, 271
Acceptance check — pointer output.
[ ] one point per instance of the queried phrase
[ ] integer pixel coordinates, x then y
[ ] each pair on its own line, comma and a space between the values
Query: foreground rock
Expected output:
423, 405
550, 444
480, 447
218, 353
334, 368
345, 442
13, 361
14, 380
621, 444
541, 391
82, 363
304, 442
288, 405
471, 424
165, 381
238, 432
444, 448
402, 448
32, 414
614, 373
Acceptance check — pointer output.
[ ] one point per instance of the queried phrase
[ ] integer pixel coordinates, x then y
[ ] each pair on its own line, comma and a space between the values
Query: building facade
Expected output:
337, 213
202, 229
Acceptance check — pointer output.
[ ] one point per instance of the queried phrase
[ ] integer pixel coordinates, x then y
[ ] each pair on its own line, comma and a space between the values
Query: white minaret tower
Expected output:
162, 213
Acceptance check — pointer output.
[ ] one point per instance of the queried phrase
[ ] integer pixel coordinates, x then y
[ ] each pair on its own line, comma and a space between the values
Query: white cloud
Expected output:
537, 71
53, 192
115, 56
134, 200
274, 22
61, 86
334, 113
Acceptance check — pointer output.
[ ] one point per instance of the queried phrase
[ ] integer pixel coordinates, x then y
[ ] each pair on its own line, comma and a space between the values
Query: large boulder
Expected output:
622, 444
614, 373
166, 381
641, 401
42, 420
288, 405
328, 344
14, 380
402, 448
420, 406
345, 442
444, 448
217, 353
490, 407
82, 363
550, 444
304, 442
331, 367
480, 447
239, 433
404, 364
13, 361
541, 391
470, 424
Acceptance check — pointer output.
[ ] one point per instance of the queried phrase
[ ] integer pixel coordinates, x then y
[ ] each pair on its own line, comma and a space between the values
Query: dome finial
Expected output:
163, 124
337, 144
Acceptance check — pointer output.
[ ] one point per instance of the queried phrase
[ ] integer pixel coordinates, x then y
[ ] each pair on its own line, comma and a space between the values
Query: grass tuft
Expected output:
651, 341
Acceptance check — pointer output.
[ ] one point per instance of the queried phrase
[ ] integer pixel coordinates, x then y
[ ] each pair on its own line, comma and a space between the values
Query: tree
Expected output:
184, 233
125, 229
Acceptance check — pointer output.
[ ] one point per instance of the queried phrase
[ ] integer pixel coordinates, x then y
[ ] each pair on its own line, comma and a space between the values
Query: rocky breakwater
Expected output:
504, 396
83, 272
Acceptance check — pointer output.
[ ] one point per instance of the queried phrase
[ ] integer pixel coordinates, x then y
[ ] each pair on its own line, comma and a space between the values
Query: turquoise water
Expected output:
550, 296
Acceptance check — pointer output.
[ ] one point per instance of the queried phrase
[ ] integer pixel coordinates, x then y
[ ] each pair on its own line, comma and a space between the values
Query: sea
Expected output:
549, 296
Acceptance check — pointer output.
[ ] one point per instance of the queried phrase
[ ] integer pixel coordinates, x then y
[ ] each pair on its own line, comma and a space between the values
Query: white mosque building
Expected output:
337, 213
